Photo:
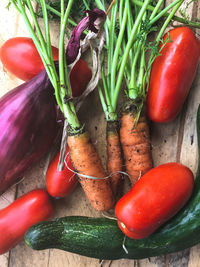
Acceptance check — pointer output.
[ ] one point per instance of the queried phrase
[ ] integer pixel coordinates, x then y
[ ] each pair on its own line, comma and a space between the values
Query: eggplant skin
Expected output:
28, 127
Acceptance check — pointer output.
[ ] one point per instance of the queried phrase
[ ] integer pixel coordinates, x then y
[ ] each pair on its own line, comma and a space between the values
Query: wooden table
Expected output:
175, 141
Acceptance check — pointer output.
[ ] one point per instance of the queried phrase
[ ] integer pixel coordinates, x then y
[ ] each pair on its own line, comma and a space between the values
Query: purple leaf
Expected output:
87, 22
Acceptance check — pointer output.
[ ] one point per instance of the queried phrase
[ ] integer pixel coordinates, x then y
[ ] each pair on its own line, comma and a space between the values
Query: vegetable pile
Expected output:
153, 78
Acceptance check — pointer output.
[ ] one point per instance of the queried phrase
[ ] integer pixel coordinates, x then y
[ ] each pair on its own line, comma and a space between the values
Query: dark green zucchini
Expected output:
101, 238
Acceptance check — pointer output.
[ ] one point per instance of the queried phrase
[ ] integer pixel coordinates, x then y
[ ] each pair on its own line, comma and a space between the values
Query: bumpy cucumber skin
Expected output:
101, 238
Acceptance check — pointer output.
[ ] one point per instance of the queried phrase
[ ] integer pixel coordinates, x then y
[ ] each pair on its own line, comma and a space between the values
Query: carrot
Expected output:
114, 156
86, 161
136, 145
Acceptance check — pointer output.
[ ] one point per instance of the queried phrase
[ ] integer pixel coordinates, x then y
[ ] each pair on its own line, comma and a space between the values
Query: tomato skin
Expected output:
79, 77
155, 198
15, 219
20, 57
172, 75
60, 183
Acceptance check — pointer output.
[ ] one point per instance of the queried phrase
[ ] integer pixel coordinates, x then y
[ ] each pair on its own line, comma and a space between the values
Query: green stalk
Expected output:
168, 20
15, 5
56, 12
46, 28
45, 52
37, 27
103, 103
48, 41
107, 24
42, 52
86, 5
156, 9
129, 27
110, 114
161, 13
132, 84
108, 111
111, 39
136, 87
141, 72
105, 86
69, 114
176, 18
117, 51
121, 11
126, 52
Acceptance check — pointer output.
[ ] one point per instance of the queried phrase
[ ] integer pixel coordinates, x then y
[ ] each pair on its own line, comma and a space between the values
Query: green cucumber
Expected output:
101, 238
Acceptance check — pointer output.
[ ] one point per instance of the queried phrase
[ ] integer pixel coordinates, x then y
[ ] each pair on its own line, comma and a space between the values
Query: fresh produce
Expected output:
80, 75
78, 139
79, 6
60, 183
114, 157
86, 161
154, 199
106, 92
101, 237
126, 57
172, 74
77, 11
28, 127
135, 66
20, 57
136, 144
16, 218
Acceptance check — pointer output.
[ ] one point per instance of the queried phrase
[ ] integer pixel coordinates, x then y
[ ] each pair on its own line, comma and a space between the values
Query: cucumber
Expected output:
101, 238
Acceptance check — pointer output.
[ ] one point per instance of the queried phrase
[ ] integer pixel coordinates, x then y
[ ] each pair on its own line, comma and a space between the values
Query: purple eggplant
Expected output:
28, 127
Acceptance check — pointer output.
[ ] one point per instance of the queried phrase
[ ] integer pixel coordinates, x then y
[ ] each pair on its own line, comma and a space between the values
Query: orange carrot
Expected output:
114, 157
136, 145
86, 161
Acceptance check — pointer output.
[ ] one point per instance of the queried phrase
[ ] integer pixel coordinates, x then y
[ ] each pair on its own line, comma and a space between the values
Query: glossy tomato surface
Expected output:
15, 219
60, 183
172, 75
20, 57
155, 198
80, 77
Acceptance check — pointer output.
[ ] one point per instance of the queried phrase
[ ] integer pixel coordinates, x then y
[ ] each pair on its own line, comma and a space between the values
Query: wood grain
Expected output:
175, 141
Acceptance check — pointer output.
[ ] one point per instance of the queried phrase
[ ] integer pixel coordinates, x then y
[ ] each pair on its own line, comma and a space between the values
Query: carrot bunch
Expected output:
127, 30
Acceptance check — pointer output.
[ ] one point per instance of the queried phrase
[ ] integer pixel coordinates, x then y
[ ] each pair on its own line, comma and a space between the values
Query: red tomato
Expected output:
15, 219
155, 198
20, 57
172, 75
80, 77
60, 183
